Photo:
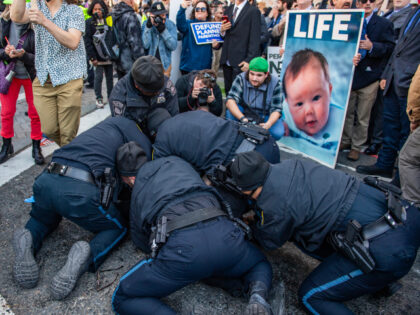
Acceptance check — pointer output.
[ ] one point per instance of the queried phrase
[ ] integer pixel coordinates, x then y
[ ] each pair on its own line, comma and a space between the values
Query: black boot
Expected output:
6, 150
258, 305
37, 153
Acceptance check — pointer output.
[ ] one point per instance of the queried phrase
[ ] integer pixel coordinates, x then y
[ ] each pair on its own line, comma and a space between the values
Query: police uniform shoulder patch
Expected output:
171, 87
119, 108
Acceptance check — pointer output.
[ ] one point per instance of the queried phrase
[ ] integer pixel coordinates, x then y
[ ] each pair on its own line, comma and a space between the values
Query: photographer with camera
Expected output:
102, 63
160, 36
199, 90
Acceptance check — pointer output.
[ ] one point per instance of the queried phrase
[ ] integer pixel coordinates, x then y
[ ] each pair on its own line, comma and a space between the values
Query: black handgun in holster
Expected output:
254, 133
107, 188
159, 235
353, 246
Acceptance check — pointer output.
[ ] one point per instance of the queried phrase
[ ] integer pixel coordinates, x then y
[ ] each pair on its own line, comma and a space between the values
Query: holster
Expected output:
107, 188
352, 245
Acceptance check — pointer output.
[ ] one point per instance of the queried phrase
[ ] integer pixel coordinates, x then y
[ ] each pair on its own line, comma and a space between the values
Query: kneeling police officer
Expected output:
142, 90
181, 221
366, 236
205, 140
81, 184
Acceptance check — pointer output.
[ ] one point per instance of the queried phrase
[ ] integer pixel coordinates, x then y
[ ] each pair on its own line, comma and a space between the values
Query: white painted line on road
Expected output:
22, 96
23, 161
4, 307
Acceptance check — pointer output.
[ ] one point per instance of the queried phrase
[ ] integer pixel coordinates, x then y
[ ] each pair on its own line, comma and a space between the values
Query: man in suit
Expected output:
379, 43
241, 39
395, 81
398, 14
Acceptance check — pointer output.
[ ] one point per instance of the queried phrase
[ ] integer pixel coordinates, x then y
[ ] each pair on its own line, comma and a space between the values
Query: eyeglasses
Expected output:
200, 9
365, 1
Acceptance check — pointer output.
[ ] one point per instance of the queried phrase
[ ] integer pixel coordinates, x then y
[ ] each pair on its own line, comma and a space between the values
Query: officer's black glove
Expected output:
161, 27
149, 23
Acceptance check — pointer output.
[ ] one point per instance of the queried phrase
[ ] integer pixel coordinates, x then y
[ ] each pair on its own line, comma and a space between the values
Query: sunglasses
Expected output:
365, 1
200, 9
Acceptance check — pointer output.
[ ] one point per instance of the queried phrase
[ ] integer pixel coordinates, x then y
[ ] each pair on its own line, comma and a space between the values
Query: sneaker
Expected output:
25, 269
99, 103
77, 262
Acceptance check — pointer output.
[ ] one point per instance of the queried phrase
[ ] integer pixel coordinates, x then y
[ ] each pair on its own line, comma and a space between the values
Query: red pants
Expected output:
8, 109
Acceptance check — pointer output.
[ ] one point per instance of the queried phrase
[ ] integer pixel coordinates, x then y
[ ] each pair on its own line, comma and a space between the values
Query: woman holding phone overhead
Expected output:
193, 56
18, 48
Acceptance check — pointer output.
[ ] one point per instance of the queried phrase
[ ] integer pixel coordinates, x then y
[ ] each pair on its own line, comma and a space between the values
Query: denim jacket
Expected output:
167, 41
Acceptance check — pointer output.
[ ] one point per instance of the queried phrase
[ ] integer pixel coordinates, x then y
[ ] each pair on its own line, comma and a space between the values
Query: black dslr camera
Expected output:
158, 19
203, 95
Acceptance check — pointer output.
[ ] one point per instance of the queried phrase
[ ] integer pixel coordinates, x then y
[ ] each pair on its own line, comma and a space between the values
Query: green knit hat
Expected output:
258, 64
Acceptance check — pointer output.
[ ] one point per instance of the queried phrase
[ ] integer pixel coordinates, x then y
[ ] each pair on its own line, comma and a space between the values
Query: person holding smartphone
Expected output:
193, 56
24, 72
60, 62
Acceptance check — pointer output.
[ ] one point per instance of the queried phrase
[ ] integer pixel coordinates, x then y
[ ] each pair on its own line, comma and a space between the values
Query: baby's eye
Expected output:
299, 104
316, 98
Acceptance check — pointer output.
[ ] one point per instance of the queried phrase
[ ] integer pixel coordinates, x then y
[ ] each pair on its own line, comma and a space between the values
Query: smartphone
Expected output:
18, 50
225, 19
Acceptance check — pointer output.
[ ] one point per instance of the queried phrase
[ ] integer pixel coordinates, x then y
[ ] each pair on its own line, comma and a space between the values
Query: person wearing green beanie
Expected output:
257, 97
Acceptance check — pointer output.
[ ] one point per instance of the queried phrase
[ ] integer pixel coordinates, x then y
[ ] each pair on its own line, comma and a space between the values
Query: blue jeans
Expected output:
277, 130
215, 248
396, 129
58, 196
338, 279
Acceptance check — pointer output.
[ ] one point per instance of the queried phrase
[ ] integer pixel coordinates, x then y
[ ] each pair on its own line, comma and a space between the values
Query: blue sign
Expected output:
206, 32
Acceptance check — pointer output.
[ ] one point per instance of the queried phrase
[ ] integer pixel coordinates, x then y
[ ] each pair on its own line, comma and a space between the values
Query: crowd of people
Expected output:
189, 184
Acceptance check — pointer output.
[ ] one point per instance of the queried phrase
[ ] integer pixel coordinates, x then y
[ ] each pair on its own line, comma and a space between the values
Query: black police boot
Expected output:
257, 304
77, 263
6, 150
25, 268
37, 153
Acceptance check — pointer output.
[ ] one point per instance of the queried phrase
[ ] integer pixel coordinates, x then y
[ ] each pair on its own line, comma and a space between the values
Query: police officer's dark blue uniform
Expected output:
304, 202
205, 140
157, 91
170, 187
58, 193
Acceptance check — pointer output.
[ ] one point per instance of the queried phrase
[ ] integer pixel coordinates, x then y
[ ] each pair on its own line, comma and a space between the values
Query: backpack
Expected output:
106, 42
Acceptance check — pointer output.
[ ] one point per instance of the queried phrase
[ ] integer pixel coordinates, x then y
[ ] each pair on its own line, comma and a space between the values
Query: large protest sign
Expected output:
205, 32
274, 60
318, 62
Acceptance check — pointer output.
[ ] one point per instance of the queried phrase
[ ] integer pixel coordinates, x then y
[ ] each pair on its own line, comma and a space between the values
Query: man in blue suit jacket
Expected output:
396, 80
379, 44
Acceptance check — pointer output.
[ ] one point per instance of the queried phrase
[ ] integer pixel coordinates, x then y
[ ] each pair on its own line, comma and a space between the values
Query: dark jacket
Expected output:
129, 35
160, 184
184, 87
28, 57
398, 18
242, 41
96, 148
380, 31
88, 38
404, 60
302, 201
202, 139
126, 100
193, 56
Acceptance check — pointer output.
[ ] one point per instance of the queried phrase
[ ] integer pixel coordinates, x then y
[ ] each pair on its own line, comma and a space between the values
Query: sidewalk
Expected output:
22, 126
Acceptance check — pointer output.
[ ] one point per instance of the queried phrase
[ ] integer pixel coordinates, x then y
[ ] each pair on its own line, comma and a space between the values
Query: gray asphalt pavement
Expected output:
94, 291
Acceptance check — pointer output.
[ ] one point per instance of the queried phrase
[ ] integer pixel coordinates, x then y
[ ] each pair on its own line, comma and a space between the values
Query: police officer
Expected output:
142, 90
205, 140
365, 240
81, 184
191, 238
